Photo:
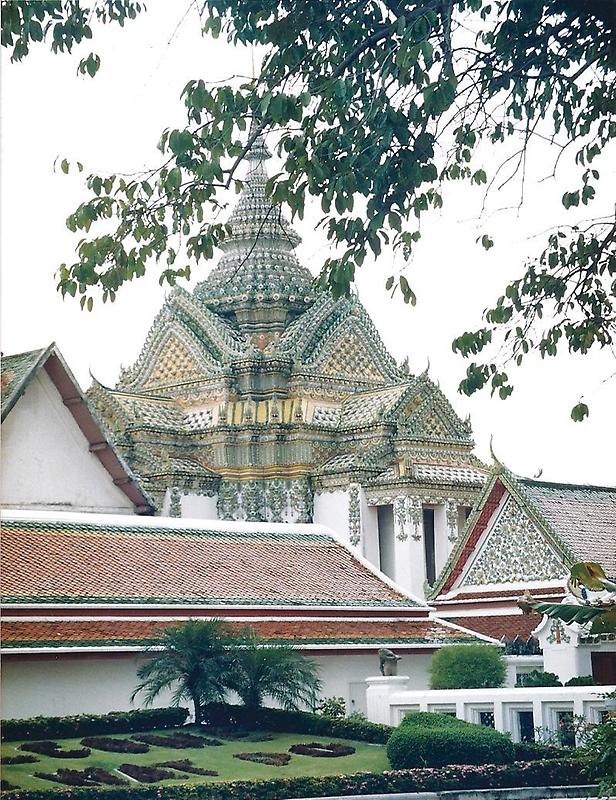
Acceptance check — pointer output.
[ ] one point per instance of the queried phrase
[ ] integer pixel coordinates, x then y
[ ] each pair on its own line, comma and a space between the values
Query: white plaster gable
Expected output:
45, 461
513, 550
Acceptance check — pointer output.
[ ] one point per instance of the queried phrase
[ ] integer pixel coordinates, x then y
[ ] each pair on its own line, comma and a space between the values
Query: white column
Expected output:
416, 552
378, 696
402, 555
499, 716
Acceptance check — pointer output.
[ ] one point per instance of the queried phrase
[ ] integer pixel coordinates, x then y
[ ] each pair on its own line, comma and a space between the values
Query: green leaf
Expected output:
486, 242
579, 412
590, 574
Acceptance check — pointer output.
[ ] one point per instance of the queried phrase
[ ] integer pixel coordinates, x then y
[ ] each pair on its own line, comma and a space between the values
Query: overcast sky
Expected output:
112, 124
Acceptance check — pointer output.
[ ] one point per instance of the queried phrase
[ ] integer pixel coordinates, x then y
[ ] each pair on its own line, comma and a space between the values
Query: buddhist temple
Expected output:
259, 397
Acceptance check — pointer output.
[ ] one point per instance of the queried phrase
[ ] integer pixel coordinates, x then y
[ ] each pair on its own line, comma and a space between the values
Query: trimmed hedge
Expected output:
533, 751
438, 742
92, 724
546, 773
273, 719
430, 719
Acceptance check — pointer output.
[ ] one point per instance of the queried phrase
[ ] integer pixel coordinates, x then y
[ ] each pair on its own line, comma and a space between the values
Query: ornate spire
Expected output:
258, 278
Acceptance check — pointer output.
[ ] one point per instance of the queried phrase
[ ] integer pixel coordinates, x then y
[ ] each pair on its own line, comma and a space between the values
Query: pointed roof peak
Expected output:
258, 149
258, 264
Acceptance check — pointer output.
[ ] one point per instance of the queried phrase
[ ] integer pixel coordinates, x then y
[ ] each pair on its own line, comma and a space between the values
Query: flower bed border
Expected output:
520, 774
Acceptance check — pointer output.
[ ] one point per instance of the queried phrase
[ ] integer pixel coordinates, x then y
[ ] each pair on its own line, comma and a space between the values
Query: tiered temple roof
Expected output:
260, 388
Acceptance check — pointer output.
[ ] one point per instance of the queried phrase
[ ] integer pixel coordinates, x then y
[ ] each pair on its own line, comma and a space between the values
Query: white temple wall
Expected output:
57, 686
332, 509
45, 461
196, 506
567, 660
345, 675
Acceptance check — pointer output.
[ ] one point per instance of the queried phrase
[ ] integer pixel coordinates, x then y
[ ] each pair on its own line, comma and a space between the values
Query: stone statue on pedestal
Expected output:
388, 662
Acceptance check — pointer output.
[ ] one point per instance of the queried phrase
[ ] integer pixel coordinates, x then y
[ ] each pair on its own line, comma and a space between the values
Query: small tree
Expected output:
280, 672
193, 664
539, 678
471, 666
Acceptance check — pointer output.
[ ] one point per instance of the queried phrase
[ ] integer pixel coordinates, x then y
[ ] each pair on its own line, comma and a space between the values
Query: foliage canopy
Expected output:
376, 105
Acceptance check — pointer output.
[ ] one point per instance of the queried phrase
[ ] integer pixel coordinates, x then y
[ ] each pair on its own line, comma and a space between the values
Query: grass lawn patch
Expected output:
367, 758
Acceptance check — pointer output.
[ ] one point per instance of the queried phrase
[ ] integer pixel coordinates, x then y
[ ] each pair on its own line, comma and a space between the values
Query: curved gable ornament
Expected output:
428, 414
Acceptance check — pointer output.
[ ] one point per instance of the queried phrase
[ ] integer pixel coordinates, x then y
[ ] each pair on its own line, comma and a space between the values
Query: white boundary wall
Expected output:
388, 700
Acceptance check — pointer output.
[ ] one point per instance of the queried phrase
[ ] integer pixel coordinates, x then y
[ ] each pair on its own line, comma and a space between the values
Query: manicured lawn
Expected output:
368, 757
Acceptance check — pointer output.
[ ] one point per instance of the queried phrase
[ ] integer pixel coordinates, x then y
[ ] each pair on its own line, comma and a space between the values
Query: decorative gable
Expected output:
174, 364
426, 413
171, 355
350, 357
514, 551
336, 338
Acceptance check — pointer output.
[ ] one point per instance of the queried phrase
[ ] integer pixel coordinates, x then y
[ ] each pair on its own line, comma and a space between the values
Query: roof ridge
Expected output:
563, 485
132, 530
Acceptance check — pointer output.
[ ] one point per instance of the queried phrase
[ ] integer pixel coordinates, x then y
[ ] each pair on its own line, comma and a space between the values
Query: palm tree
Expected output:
192, 663
260, 670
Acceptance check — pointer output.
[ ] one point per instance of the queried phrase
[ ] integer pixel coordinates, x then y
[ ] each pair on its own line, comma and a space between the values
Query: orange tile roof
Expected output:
100, 633
68, 562
499, 625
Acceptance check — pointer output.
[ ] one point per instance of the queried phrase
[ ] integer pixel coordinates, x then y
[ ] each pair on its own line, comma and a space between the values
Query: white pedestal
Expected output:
378, 696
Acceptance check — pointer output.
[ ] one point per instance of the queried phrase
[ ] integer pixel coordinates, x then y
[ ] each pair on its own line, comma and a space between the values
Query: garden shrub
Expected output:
54, 750
178, 741
319, 750
333, 707
271, 759
538, 678
93, 724
147, 774
568, 772
224, 715
581, 680
186, 765
6, 786
110, 745
7, 760
447, 742
534, 751
469, 666
91, 776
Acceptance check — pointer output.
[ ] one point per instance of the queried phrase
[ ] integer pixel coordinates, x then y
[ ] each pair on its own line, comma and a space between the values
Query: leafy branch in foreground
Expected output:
375, 105
600, 610
64, 22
